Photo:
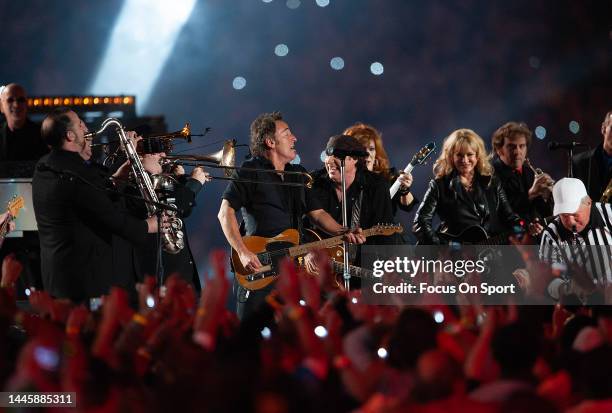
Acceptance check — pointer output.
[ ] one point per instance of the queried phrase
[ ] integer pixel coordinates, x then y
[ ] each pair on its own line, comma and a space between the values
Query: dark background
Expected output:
447, 65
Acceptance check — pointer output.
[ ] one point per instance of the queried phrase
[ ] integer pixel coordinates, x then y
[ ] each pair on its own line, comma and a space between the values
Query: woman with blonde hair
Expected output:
378, 162
464, 193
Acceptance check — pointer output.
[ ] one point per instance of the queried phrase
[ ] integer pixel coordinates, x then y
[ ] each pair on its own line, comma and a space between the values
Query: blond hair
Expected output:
457, 141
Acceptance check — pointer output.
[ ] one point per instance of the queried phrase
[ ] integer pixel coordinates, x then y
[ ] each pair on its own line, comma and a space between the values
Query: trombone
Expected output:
225, 159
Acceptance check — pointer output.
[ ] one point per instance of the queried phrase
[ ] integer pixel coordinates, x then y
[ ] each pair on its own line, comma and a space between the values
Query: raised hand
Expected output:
11, 270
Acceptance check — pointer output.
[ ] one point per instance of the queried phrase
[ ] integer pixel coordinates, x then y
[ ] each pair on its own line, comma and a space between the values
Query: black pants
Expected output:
248, 301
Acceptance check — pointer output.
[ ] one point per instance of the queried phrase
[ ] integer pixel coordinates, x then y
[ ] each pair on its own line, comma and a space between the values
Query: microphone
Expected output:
570, 145
343, 153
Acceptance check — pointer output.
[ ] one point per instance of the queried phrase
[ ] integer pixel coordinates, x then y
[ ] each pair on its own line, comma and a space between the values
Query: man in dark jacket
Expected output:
594, 167
76, 221
529, 195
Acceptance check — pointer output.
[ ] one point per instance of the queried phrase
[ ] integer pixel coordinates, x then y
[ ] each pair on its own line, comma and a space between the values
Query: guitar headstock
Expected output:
14, 205
425, 152
387, 229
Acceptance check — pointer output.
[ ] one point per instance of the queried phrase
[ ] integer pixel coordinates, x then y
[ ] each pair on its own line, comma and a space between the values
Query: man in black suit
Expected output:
76, 221
594, 167
19, 136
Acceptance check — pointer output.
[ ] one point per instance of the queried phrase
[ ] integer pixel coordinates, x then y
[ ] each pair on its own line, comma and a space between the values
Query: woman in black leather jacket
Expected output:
464, 193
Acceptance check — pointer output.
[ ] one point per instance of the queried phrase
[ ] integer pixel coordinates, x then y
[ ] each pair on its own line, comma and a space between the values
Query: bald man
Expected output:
19, 137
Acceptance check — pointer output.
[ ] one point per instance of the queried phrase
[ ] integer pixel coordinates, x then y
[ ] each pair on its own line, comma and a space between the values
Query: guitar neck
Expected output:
396, 185
324, 243
355, 271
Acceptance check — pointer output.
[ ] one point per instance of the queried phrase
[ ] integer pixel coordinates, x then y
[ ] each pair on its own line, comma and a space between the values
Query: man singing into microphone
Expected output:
368, 201
76, 221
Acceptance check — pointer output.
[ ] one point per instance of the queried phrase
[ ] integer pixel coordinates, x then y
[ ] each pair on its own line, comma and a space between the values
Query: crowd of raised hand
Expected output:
311, 347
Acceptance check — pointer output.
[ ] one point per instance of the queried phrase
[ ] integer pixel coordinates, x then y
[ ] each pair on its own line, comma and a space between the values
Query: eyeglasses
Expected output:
18, 100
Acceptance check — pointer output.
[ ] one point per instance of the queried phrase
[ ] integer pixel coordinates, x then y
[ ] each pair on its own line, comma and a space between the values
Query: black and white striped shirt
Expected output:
591, 248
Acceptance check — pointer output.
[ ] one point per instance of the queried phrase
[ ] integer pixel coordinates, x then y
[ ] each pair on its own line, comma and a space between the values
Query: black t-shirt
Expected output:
269, 209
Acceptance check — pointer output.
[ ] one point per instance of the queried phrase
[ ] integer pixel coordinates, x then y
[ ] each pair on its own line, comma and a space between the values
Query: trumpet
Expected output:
224, 159
538, 172
165, 139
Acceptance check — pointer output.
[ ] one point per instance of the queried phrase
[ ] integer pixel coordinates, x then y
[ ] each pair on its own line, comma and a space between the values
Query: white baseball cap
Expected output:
568, 193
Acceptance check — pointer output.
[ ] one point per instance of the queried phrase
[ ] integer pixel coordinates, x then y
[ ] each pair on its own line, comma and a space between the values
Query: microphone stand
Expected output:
346, 275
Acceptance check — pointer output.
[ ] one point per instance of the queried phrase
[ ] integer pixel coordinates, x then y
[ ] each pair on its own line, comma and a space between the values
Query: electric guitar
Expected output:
13, 207
478, 235
270, 251
336, 255
419, 158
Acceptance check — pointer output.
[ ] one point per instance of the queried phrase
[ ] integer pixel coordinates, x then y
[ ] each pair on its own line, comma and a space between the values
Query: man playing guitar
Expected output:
268, 207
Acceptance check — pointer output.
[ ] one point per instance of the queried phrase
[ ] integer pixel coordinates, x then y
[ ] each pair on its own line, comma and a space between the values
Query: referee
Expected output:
581, 233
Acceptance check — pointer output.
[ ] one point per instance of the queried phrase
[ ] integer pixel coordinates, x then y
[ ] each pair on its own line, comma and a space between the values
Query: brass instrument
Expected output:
607, 193
224, 159
538, 172
173, 239
165, 138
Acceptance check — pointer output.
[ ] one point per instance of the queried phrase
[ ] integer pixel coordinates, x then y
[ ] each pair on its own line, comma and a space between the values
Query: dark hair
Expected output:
262, 128
509, 130
55, 126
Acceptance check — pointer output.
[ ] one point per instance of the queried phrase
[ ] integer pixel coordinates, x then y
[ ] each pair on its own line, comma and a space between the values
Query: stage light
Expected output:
293, 4
320, 331
266, 333
377, 68
382, 353
574, 127
438, 316
322, 3
297, 160
354, 300
337, 63
239, 83
302, 303
281, 50
540, 132
141, 41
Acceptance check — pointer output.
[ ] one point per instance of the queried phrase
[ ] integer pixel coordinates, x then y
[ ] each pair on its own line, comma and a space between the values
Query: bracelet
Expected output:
403, 190
139, 319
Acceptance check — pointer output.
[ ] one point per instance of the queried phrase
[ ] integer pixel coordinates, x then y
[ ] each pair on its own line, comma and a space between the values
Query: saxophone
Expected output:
172, 240
607, 194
